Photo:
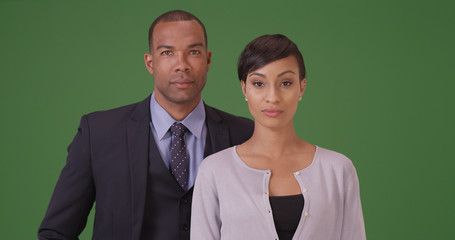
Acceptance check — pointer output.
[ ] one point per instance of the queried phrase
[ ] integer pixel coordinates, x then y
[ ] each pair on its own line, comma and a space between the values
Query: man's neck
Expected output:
178, 111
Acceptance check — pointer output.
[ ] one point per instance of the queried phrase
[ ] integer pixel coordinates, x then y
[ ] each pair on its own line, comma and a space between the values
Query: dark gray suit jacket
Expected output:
108, 163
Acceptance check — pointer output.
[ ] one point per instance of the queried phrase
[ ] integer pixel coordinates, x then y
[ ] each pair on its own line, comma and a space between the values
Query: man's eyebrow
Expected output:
195, 45
288, 71
164, 46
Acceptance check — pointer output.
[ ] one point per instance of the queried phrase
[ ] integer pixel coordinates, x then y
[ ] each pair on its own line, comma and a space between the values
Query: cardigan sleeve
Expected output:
353, 227
205, 216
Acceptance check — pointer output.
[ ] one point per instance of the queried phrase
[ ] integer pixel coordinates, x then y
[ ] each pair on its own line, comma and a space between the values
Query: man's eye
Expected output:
258, 84
195, 52
167, 53
286, 83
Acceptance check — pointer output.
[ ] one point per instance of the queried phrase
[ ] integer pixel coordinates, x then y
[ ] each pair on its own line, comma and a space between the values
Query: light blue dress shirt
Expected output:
194, 138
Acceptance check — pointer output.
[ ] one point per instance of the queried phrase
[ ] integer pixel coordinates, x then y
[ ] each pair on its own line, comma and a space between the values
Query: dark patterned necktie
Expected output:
179, 161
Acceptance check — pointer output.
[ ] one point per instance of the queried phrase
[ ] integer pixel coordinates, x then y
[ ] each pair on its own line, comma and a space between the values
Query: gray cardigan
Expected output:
231, 200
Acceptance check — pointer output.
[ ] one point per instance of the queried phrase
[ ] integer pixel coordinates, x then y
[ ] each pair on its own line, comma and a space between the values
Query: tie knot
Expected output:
178, 129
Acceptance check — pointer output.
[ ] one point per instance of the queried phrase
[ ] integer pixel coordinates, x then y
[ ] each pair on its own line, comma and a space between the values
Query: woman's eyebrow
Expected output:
259, 74
288, 71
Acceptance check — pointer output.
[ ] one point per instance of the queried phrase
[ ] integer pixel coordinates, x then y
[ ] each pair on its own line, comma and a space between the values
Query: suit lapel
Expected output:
218, 131
138, 128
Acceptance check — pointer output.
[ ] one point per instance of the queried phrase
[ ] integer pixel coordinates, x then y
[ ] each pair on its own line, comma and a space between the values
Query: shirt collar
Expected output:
162, 121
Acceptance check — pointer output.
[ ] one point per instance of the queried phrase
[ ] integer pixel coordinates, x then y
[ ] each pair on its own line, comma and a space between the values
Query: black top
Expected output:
286, 214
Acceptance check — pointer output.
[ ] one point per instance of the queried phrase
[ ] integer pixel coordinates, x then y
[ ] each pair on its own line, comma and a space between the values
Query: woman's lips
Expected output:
272, 112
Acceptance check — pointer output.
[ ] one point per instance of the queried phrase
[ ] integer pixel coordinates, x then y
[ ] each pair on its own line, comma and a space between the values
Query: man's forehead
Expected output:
178, 31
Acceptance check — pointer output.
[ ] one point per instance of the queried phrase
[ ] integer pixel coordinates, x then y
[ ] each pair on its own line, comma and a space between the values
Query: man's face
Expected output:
179, 62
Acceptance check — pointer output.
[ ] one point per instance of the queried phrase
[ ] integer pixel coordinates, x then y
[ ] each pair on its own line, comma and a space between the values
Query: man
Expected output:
139, 162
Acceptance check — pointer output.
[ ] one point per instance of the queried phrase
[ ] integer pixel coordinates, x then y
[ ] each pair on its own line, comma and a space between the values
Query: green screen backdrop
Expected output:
380, 90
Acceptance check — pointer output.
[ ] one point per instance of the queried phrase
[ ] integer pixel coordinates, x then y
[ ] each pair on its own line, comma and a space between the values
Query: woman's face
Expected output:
273, 92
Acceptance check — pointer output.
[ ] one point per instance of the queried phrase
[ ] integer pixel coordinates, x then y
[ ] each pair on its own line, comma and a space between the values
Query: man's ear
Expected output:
209, 59
148, 62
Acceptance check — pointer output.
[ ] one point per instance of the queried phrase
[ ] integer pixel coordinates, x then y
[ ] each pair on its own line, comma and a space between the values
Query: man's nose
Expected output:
182, 63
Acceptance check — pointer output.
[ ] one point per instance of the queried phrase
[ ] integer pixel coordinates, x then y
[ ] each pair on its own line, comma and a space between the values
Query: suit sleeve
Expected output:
205, 214
74, 193
353, 223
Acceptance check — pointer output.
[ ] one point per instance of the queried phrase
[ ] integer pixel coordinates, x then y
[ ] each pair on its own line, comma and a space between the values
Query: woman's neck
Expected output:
274, 142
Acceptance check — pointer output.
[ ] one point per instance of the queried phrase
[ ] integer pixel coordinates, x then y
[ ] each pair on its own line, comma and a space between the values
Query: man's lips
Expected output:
183, 83
272, 112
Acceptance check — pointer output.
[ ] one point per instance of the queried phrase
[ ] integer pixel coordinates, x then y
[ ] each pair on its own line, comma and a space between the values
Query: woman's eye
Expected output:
195, 52
258, 84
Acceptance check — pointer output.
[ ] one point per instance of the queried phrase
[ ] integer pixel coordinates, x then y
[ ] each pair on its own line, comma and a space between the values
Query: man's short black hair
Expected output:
266, 49
174, 16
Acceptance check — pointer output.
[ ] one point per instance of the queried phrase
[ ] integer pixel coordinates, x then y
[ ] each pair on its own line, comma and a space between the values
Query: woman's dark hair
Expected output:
266, 49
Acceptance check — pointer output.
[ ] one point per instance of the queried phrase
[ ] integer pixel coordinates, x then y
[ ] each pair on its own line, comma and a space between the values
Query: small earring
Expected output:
300, 98
246, 99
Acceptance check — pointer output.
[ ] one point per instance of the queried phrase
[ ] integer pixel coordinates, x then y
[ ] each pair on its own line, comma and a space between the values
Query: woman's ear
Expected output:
302, 88
244, 89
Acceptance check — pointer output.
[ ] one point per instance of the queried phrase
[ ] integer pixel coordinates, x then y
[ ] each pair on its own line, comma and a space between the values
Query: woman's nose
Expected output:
272, 95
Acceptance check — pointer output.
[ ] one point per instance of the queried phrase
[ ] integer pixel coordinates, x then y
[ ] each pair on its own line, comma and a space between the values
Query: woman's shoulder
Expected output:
219, 160
333, 159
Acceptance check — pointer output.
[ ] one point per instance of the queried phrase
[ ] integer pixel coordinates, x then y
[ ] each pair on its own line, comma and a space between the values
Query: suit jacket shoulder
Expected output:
114, 117
239, 129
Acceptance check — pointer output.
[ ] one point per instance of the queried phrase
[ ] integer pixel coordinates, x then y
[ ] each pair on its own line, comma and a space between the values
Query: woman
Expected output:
275, 185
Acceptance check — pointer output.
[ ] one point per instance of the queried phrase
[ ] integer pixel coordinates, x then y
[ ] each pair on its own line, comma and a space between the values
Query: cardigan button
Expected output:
305, 214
